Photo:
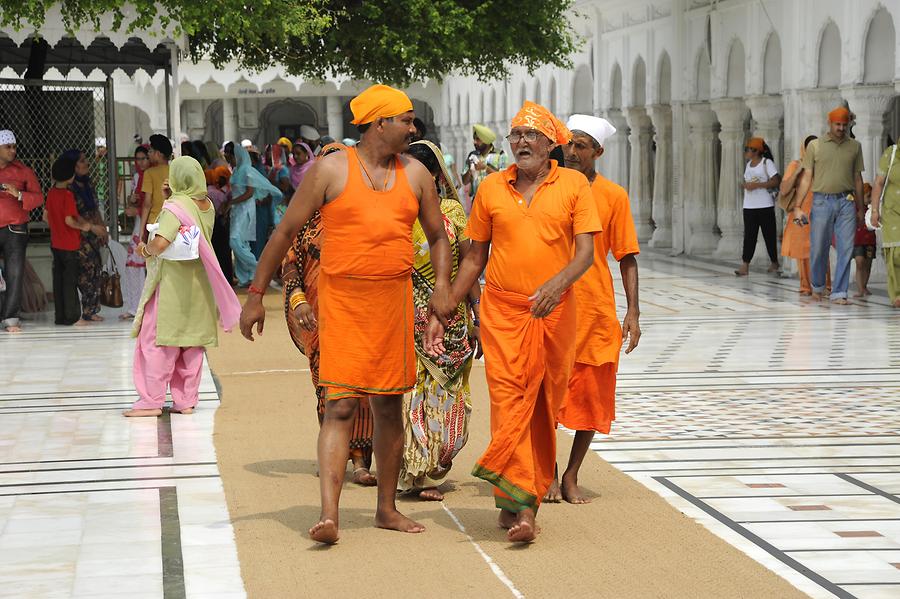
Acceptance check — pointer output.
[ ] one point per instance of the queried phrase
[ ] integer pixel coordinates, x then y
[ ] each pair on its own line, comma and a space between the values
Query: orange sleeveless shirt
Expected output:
368, 233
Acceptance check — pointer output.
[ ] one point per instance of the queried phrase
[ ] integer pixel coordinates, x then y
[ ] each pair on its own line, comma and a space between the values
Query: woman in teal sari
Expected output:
247, 187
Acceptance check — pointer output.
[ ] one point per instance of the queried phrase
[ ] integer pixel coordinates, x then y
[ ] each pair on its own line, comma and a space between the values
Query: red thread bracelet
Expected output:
252, 289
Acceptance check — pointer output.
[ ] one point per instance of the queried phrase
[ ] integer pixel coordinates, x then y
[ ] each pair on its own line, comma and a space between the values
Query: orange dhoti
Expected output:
591, 401
366, 336
527, 362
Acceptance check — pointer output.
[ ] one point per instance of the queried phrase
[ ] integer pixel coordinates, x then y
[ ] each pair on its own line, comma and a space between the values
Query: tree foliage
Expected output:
384, 40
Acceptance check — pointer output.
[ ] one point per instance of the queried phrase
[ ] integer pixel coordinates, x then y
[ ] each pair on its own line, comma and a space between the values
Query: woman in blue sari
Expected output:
248, 187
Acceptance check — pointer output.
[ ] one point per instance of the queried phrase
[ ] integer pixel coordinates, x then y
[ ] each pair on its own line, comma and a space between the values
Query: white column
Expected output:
768, 111
731, 113
617, 149
702, 179
661, 117
869, 104
174, 95
334, 115
230, 120
640, 180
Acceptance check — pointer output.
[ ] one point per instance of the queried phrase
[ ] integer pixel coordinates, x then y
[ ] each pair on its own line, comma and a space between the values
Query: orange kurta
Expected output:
365, 288
527, 360
591, 400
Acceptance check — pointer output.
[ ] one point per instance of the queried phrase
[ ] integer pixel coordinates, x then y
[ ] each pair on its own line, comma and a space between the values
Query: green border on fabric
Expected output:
520, 499
368, 389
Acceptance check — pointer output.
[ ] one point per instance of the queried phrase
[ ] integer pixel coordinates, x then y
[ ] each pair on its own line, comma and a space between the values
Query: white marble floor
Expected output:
96, 505
772, 420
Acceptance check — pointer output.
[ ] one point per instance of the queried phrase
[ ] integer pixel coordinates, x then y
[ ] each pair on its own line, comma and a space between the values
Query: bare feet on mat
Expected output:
431, 495
394, 520
363, 478
553, 493
325, 531
507, 519
524, 530
142, 413
571, 492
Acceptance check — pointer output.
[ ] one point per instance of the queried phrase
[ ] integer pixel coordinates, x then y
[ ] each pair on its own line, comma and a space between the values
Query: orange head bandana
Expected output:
379, 101
839, 115
757, 144
535, 116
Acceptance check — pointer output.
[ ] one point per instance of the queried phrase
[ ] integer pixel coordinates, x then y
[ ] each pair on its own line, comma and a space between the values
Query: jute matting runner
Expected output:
628, 543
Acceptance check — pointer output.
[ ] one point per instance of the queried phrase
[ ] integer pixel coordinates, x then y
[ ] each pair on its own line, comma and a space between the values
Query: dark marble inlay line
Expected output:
172, 559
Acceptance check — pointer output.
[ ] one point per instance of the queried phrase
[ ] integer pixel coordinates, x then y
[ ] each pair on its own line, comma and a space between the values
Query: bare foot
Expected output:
524, 530
81, 322
14, 329
858, 294
571, 492
325, 531
866, 291
394, 520
774, 267
142, 413
182, 411
431, 495
126, 316
897, 303
804, 292
507, 519
363, 478
553, 494
96, 318
841, 301
817, 297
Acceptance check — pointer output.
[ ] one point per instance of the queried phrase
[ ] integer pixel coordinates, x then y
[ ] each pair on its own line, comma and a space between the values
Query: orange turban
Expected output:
214, 174
839, 115
757, 144
379, 101
535, 116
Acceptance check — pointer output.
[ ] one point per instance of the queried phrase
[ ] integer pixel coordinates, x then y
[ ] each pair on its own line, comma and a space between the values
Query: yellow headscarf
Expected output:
284, 141
485, 134
379, 101
186, 179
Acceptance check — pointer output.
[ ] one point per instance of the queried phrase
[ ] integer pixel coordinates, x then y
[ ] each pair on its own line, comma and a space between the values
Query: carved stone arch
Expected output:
828, 53
771, 61
536, 97
736, 75
879, 48
615, 87
551, 95
638, 82
583, 91
490, 114
664, 79
702, 75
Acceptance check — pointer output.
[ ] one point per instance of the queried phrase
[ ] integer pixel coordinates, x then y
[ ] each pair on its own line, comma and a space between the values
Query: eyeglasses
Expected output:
530, 136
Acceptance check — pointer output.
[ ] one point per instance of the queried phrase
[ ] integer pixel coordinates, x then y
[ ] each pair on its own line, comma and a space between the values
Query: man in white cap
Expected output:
20, 193
590, 403
311, 137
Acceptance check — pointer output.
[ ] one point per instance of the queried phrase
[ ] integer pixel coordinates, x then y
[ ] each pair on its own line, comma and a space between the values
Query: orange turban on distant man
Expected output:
379, 101
535, 116
839, 115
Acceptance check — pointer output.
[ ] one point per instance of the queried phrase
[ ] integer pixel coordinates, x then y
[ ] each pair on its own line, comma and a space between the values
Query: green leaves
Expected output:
395, 41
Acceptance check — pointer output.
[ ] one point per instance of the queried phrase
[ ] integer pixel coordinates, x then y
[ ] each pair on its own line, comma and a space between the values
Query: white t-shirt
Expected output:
762, 172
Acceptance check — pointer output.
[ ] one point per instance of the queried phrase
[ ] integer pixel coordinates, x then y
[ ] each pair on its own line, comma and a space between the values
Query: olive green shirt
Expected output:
834, 164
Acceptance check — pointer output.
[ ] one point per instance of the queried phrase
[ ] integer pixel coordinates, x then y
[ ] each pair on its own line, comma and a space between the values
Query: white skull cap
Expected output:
598, 128
7, 137
246, 143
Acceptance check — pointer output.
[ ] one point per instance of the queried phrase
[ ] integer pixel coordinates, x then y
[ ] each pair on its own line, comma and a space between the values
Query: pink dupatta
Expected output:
226, 300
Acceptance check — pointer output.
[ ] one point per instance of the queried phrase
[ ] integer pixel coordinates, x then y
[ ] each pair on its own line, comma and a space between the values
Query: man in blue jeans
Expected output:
19, 194
833, 166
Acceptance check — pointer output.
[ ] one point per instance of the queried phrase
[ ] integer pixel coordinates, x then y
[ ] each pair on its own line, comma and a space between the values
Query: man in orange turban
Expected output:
833, 168
539, 221
369, 197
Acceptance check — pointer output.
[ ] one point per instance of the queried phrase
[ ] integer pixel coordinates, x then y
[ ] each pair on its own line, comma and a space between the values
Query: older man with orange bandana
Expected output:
369, 198
590, 405
833, 167
539, 221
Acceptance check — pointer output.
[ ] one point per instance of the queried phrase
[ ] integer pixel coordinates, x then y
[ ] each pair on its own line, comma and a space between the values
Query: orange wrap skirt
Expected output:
366, 336
590, 403
527, 362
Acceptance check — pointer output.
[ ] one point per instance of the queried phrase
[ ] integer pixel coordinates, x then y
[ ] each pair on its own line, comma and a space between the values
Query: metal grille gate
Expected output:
50, 117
